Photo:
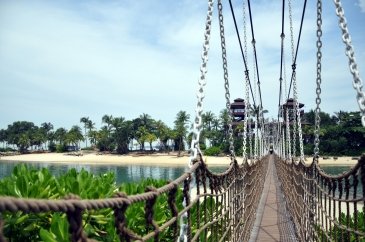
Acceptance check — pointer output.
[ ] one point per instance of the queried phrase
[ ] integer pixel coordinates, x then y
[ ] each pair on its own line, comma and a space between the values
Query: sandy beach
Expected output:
146, 159
157, 159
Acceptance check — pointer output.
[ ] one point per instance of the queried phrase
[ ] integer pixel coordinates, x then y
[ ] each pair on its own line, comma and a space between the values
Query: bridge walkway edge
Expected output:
272, 218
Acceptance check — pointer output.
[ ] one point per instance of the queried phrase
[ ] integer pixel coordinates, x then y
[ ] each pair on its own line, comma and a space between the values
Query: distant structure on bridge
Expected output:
290, 106
238, 111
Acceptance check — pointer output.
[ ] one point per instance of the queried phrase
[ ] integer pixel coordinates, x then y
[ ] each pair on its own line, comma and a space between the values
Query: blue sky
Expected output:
63, 60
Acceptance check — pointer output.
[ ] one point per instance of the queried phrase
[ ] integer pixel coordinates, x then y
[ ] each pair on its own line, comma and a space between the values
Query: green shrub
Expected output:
7, 149
26, 182
52, 147
212, 151
60, 148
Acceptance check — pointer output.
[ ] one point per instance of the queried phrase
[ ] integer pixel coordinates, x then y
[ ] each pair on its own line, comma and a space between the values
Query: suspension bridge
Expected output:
270, 194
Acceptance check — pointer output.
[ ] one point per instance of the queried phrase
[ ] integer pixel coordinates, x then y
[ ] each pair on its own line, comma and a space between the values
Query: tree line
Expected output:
340, 134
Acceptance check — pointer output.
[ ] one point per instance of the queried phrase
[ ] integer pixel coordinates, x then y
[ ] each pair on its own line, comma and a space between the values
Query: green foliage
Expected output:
25, 182
98, 224
339, 234
342, 134
212, 151
60, 148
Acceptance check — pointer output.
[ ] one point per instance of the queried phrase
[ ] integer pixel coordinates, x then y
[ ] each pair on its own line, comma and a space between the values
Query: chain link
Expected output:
247, 102
226, 82
288, 139
247, 109
300, 132
201, 83
244, 30
250, 132
357, 82
294, 144
294, 135
199, 109
291, 30
318, 79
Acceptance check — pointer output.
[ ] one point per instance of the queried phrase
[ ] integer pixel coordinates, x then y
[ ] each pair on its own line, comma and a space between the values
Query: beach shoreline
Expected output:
153, 159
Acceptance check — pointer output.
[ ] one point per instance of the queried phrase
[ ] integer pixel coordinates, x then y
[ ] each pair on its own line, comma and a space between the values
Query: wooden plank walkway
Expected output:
272, 220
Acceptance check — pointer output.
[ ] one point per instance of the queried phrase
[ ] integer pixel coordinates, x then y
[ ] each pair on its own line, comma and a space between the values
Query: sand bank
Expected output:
149, 159
157, 159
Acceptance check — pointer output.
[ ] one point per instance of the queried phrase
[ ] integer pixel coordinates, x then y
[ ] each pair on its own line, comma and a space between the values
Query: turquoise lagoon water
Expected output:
129, 173
123, 173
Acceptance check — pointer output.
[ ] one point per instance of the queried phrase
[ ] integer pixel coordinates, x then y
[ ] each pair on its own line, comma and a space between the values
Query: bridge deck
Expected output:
272, 220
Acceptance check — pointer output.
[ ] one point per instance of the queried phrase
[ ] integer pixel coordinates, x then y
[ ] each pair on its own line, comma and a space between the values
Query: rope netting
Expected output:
324, 207
219, 206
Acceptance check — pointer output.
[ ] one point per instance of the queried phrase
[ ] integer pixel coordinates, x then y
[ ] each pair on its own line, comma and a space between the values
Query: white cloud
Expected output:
91, 58
362, 5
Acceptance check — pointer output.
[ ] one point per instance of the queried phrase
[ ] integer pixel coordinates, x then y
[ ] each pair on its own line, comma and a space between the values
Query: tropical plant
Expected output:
74, 136
85, 121
181, 128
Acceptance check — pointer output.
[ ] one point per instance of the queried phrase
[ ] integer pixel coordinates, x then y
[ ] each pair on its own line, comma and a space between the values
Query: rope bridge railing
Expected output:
324, 207
219, 207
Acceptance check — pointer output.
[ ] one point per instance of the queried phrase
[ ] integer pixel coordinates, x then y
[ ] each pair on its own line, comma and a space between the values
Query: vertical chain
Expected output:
226, 82
199, 109
250, 137
247, 109
247, 104
201, 84
300, 133
294, 123
286, 117
256, 108
294, 144
357, 82
245, 30
288, 139
284, 146
291, 30
319, 78
256, 139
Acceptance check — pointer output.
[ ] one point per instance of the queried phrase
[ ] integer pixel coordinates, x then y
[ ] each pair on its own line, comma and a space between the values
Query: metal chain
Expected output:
247, 110
250, 132
283, 146
288, 140
256, 110
247, 104
199, 110
256, 139
300, 133
294, 143
245, 30
319, 78
291, 30
357, 81
201, 83
226, 82
286, 116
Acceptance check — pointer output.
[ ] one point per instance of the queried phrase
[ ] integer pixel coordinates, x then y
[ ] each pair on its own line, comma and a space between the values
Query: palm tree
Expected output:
107, 119
208, 118
3, 137
163, 133
60, 135
146, 120
181, 126
150, 138
121, 134
47, 127
74, 136
141, 136
85, 121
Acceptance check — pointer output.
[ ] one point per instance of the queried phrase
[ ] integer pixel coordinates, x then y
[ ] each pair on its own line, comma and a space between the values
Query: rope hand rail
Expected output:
220, 199
324, 207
